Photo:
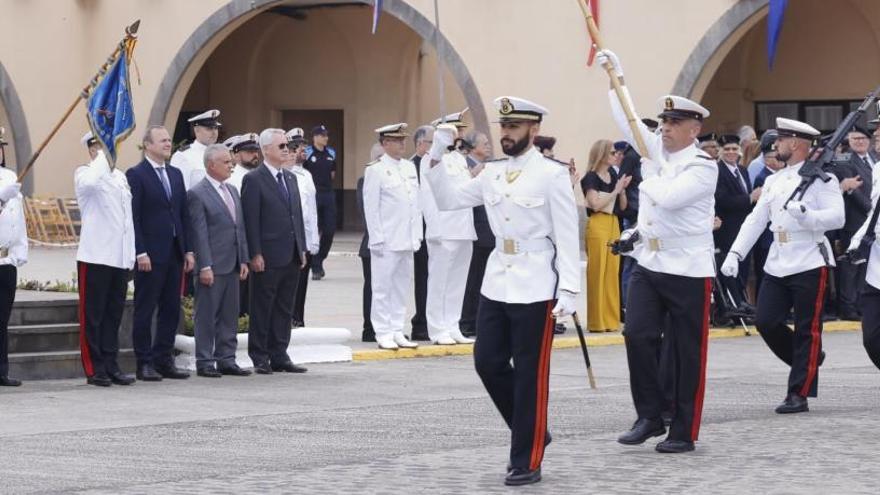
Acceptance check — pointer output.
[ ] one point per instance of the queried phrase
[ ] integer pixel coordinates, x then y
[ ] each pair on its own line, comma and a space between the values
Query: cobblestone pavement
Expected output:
426, 426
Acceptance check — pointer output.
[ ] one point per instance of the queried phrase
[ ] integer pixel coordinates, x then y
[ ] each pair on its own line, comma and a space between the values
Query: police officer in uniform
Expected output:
673, 278
190, 159
13, 254
105, 258
321, 163
394, 225
796, 271
450, 236
297, 147
532, 276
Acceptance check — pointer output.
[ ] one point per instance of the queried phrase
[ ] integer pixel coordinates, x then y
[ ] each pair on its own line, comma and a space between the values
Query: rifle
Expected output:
822, 156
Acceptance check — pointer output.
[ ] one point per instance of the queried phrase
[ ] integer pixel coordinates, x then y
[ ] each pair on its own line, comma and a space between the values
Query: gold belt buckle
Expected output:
783, 237
654, 244
4, 252
509, 246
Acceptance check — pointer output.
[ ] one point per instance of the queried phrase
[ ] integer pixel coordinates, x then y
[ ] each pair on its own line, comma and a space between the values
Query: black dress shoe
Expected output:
289, 367
368, 336
263, 369
147, 373
233, 370
674, 446
420, 335
317, 274
520, 476
793, 404
5, 381
821, 357
208, 373
99, 380
120, 378
297, 324
172, 372
850, 317
642, 430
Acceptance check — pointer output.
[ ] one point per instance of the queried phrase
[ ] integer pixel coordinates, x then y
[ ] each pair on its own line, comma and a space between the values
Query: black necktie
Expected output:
282, 187
742, 185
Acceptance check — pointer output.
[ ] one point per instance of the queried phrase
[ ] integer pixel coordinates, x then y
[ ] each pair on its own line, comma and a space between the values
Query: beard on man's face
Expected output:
514, 148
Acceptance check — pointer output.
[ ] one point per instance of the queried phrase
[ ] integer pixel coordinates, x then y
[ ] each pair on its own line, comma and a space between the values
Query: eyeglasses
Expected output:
282, 146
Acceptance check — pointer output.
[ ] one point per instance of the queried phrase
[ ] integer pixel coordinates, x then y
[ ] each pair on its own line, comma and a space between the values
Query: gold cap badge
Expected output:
506, 107
669, 104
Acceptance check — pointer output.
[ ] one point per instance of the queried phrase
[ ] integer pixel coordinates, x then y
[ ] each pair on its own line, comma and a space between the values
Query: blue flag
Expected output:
110, 108
774, 27
377, 9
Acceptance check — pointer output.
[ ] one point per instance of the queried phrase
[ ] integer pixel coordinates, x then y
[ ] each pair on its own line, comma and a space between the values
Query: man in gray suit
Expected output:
277, 246
218, 237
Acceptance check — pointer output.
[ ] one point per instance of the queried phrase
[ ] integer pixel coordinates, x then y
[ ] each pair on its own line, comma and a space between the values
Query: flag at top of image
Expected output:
377, 9
109, 104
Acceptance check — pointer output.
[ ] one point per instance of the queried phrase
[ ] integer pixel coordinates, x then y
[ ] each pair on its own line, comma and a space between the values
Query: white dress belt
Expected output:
681, 242
516, 246
783, 237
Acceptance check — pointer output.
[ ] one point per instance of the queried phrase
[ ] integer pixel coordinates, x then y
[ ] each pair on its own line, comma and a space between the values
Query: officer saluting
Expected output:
532, 275
394, 225
675, 268
13, 254
190, 159
796, 271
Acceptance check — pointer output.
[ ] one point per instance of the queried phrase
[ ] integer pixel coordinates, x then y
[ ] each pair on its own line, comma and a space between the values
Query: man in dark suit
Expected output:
218, 237
161, 220
733, 202
422, 138
276, 241
856, 176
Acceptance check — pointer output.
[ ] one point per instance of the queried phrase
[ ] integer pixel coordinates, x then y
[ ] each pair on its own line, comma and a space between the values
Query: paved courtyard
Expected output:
425, 426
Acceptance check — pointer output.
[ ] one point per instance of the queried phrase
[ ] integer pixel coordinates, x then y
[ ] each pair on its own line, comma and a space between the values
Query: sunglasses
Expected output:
282, 146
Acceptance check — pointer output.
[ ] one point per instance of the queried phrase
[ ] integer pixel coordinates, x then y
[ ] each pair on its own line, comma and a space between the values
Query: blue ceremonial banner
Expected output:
774, 27
109, 104
377, 9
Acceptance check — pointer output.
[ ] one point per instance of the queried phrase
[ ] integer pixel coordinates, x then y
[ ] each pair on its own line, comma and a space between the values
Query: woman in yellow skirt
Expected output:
602, 190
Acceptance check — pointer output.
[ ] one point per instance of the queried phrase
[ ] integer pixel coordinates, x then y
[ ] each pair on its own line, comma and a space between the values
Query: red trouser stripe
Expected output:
83, 340
542, 392
704, 349
815, 336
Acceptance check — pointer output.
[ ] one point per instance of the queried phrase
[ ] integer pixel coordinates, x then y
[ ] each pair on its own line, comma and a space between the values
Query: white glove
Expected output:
565, 304
797, 209
444, 136
650, 168
9, 192
607, 57
730, 267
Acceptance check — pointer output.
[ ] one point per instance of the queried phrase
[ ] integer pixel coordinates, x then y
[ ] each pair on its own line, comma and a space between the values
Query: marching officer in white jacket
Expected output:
13, 254
308, 196
105, 256
449, 236
532, 276
394, 226
796, 271
869, 299
675, 268
190, 159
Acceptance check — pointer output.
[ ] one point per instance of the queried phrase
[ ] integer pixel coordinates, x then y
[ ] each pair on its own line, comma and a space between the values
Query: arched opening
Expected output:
297, 64
13, 120
826, 62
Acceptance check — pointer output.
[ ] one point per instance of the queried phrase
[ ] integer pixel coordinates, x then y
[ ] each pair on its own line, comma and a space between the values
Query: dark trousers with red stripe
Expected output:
102, 291
523, 333
681, 305
805, 292
869, 304
8, 281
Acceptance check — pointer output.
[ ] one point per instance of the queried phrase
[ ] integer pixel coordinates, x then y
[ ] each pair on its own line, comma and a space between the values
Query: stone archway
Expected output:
196, 49
17, 127
714, 46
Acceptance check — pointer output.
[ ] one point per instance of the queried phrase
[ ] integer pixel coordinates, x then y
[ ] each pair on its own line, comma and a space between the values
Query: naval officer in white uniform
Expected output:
532, 276
394, 226
13, 254
190, 159
675, 268
796, 271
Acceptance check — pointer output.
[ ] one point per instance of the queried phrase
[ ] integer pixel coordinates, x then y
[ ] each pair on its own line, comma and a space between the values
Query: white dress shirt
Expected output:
308, 197
536, 211
676, 205
825, 212
238, 173
104, 197
391, 205
13, 230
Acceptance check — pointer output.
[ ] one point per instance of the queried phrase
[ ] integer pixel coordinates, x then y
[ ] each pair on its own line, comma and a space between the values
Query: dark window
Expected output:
824, 115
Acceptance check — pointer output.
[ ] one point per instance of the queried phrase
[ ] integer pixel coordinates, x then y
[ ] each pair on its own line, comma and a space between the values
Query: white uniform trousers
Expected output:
448, 264
391, 273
